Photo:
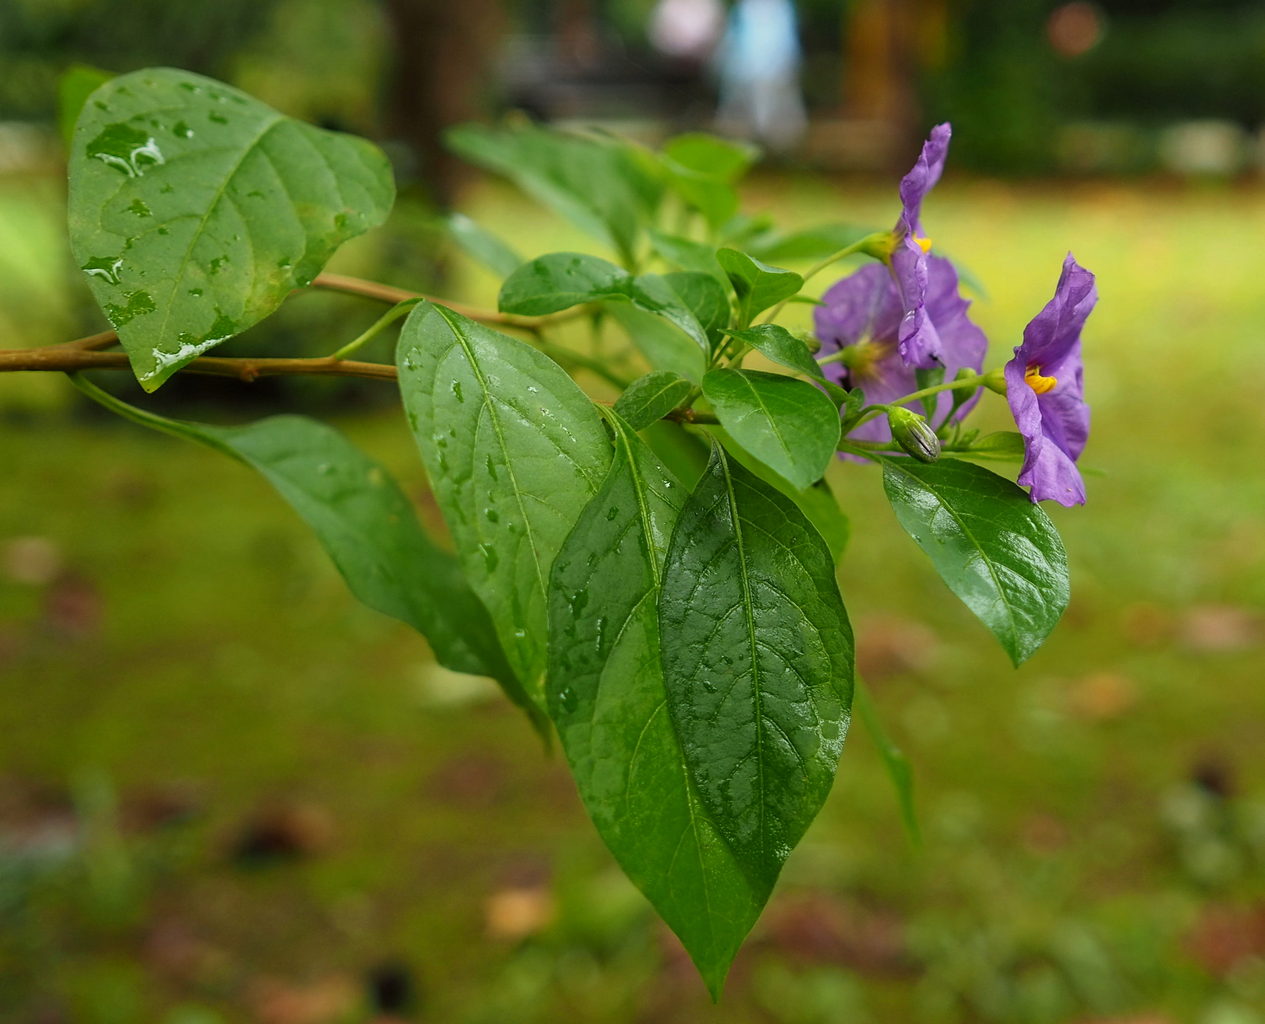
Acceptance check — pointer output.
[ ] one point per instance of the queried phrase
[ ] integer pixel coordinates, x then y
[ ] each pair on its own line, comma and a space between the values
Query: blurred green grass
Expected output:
1094, 823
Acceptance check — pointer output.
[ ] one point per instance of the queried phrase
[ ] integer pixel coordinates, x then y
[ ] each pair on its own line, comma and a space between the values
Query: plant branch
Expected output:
74, 356
388, 293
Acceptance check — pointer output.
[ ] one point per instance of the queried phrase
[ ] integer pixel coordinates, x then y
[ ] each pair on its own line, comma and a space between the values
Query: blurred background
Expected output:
228, 793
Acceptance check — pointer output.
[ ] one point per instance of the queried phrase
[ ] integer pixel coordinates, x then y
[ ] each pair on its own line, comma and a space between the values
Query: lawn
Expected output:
227, 792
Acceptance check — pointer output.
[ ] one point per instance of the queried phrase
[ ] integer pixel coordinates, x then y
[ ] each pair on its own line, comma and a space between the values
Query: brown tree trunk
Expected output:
440, 71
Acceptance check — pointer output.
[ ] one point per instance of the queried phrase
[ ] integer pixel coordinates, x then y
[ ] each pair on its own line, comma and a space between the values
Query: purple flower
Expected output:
863, 314
919, 338
1046, 391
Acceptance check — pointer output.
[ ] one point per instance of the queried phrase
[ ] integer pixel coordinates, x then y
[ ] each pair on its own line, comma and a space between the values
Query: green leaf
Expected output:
481, 245
514, 450
995, 548
809, 244
682, 451
702, 169
787, 424
817, 502
652, 397
894, 759
665, 346
689, 255
561, 280
705, 298
1002, 446
607, 698
365, 523
758, 662
605, 186
195, 210
757, 285
780, 345
76, 84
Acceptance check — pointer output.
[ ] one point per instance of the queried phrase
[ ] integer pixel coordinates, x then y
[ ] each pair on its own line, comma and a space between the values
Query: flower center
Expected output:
862, 359
923, 243
1041, 385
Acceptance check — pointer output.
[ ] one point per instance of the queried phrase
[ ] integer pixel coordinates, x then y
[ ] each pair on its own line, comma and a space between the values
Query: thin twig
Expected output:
66, 358
388, 293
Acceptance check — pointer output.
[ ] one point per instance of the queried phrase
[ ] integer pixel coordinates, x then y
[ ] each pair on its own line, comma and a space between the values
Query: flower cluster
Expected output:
883, 323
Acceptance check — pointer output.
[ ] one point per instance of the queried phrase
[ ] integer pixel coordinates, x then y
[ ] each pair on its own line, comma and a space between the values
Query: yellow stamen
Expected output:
923, 243
1041, 385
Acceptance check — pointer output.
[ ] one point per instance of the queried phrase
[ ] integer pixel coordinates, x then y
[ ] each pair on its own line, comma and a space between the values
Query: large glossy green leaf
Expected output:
703, 296
995, 548
817, 502
652, 397
787, 424
365, 523
607, 698
603, 185
758, 661
757, 285
195, 210
514, 450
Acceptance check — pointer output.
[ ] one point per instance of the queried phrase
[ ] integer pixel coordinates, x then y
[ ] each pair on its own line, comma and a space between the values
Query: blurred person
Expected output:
758, 65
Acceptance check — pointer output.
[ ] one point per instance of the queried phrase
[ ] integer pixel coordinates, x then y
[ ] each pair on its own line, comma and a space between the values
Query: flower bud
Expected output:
995, 380
913, 434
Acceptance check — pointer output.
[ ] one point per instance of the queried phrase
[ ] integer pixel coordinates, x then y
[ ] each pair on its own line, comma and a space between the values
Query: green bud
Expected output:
879, 245
811, 340
995, 380
913, 434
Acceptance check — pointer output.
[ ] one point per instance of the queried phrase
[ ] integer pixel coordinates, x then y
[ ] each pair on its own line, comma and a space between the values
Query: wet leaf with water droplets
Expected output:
607, 699
995, 549
757, 659
501, 426
179, 184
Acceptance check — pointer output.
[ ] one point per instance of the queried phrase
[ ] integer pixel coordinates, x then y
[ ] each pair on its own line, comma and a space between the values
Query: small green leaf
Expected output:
995, 548
658, 294
481, 245
607, 698
758, 661
76, 84
665, 346
894, 759
652, 397
1003, 446
605, 186
787, 424
195, 210
780, 345
704, 297
722, 159
365, 523
689, 255
514, 450
809, 244
561, 280
757, 285
702, 170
